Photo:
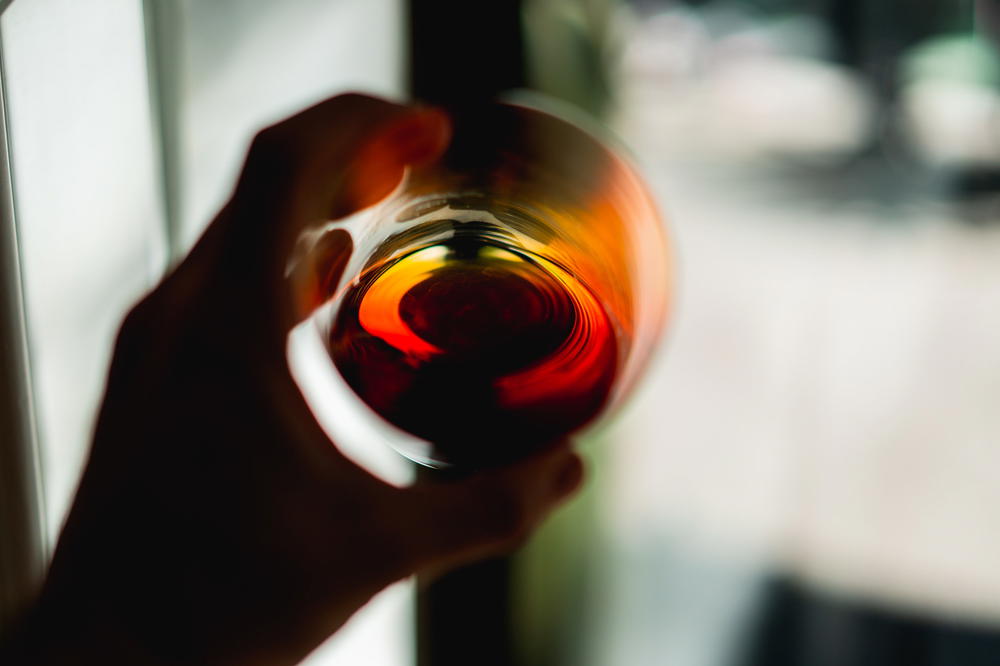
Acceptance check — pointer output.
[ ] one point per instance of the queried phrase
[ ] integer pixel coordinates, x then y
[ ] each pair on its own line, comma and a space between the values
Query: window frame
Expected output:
23, 550
25, 547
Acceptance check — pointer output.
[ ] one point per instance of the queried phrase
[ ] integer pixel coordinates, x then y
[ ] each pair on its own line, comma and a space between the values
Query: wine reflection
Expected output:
476, 344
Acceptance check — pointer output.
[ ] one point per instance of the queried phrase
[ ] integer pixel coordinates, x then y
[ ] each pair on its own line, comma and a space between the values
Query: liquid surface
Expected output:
485, 351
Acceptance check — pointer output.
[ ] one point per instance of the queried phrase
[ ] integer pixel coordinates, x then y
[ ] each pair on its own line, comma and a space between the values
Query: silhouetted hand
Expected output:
215, 522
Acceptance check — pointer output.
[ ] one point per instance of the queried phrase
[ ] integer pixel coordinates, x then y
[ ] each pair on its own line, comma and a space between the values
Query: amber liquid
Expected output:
483, 349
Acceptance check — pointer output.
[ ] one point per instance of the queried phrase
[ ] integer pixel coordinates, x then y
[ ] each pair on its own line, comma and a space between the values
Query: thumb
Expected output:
490, 513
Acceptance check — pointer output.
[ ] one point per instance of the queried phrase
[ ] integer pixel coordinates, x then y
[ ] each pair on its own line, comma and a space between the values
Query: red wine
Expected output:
483, 349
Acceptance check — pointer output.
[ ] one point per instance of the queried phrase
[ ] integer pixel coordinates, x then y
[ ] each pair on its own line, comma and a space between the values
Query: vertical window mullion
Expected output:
22, 520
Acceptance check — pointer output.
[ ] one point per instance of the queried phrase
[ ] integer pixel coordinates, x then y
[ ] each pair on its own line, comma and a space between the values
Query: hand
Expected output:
215, 522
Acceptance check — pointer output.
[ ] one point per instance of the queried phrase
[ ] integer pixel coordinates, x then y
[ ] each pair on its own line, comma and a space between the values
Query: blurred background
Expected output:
810, 475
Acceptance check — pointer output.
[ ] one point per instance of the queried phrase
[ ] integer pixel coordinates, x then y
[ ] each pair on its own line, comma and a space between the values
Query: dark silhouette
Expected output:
215, 522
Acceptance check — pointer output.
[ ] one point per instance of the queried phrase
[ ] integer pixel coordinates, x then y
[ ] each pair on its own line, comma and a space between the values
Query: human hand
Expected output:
215, 522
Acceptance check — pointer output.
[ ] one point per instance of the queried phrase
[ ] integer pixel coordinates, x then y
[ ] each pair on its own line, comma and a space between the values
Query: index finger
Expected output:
323, 163
333, 159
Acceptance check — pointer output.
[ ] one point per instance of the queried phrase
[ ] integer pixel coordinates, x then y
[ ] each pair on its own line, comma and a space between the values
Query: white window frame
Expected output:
24, 546
22, 521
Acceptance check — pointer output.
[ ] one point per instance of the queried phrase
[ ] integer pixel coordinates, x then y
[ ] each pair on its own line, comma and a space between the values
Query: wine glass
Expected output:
504, 296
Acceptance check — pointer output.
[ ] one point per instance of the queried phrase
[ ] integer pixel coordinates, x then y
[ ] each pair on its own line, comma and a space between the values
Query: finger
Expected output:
329, 161
325, 162
364, 162
376, 170
490, 513
414, 139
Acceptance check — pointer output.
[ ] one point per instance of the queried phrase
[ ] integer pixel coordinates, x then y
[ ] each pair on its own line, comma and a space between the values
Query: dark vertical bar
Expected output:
464, 51
465, 616
846, 20
164, 34
22, 545
462, 54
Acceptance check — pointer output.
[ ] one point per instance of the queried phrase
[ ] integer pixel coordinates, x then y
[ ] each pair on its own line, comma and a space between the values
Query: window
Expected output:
127, 123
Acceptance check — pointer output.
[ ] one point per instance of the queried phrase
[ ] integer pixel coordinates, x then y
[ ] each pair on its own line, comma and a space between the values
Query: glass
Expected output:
504, 296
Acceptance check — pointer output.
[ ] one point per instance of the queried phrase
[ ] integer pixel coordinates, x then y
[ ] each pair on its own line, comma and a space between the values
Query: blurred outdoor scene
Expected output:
810, 473
810, 476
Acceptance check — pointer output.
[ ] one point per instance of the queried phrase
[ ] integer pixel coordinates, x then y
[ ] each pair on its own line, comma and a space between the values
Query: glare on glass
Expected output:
504, 296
